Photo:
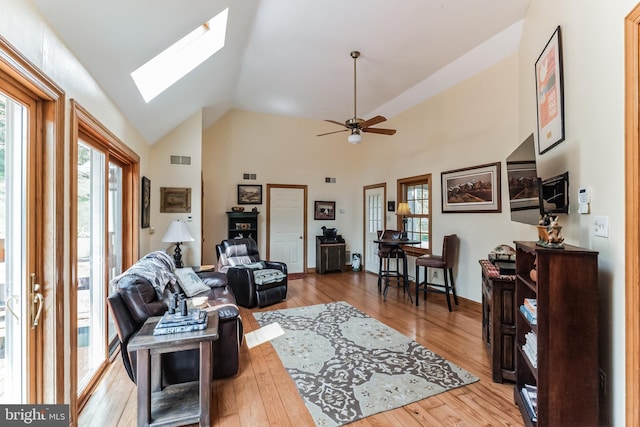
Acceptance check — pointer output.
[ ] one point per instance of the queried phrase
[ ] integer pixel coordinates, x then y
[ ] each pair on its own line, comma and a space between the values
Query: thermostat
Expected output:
584, 198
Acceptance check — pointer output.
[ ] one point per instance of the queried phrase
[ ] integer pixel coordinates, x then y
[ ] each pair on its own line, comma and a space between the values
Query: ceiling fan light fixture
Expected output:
355, 137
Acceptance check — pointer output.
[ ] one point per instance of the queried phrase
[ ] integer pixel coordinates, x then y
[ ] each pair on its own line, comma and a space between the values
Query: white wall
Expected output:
184, 140
593, 152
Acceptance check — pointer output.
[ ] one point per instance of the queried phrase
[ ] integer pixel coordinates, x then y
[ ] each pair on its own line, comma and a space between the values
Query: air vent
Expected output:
180, 160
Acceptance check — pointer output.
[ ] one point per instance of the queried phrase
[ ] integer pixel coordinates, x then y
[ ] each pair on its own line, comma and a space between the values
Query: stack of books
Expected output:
172, 323
530, 348
530, 310
530, 397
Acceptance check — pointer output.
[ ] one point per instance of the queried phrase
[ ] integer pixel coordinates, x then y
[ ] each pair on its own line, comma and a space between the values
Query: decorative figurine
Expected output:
549, 235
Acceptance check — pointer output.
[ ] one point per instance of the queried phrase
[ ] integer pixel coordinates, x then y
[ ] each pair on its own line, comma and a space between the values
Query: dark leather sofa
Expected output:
135, 300
234, 256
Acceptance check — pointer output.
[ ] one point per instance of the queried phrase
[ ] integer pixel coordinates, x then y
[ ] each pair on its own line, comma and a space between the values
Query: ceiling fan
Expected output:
357, 125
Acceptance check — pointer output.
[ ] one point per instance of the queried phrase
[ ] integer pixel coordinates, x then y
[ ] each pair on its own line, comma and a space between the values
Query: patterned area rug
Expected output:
348, 365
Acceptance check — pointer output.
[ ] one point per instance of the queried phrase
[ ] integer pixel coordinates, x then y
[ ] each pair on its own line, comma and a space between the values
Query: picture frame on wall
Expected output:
145, 203
324, 210
550, 94
249, 194
175, 200
391, 206
472, 190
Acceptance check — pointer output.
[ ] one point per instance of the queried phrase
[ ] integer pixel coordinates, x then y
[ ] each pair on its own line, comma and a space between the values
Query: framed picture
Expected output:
550, 94
324, 210
145, 203
175, 200
391, 206
249, 194
474, 189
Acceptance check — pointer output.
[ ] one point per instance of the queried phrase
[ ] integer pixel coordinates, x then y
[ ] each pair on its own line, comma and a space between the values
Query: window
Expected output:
416, 191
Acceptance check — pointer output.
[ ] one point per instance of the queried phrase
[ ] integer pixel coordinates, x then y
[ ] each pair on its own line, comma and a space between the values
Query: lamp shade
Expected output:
355, 137
177, 232
403, 209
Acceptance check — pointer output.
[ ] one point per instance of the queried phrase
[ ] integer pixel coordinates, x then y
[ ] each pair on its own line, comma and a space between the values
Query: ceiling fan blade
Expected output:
337, 123
329, 133
378, 130
372, 121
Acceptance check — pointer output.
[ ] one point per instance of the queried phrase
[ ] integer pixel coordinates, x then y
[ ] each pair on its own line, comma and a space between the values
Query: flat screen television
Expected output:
524, 184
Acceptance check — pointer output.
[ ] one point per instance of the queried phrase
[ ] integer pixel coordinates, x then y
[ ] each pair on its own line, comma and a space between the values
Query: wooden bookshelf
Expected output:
567, 370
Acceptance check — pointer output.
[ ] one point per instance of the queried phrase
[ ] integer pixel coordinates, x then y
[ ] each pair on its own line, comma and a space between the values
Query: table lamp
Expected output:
403, 211
177, 233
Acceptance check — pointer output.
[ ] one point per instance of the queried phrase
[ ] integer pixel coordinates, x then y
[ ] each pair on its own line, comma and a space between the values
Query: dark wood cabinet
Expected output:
499, 321
330, 255
242, 225
565, 370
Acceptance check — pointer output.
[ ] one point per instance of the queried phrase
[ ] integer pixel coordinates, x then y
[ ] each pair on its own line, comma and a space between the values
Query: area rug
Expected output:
348, 365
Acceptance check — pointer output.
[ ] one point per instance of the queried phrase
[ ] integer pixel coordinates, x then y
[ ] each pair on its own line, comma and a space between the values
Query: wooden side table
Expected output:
499, 321
177, 404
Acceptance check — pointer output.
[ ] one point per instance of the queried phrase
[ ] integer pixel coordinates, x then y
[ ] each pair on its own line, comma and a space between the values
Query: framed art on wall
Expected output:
175, 200
472, 190
145, 205
249, 194
550, 94
324, 210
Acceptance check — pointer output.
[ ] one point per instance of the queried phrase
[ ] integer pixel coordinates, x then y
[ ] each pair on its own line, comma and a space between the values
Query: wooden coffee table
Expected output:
177, 404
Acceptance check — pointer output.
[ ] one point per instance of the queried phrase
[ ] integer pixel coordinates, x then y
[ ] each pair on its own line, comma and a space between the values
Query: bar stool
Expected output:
392, 275
447, 261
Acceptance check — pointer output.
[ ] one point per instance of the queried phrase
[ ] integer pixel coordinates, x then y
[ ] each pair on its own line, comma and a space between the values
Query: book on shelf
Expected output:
532, 408
532, 305
530, 348
531, 317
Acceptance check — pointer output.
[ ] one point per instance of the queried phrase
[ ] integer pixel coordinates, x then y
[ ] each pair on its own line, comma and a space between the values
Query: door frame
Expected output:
82, 121
632, 215
49, 227
382, 185
304, 225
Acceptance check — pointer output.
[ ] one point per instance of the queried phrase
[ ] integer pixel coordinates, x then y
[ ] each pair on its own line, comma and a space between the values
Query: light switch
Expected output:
601, 226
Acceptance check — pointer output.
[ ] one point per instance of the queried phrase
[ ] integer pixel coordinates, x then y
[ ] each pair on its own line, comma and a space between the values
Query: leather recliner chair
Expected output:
240, 260
135, 300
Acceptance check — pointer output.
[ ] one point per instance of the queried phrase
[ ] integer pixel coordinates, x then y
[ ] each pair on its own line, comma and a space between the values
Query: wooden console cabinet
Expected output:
499, 321
566, 331
330, 255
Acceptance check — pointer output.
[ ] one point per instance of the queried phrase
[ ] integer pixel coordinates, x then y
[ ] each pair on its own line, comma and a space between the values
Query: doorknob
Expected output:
37, 302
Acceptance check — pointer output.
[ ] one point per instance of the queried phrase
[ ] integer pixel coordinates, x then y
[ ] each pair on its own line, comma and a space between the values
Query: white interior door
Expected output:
286, 227
374, 217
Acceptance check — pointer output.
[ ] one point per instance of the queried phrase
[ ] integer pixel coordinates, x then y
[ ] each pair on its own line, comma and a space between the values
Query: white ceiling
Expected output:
288, 57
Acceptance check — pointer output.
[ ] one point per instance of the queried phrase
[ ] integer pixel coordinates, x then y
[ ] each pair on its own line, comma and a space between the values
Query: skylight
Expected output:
176, 61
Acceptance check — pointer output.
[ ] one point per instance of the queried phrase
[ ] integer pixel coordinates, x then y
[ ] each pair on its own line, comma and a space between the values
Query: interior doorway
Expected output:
287, 225
375, 201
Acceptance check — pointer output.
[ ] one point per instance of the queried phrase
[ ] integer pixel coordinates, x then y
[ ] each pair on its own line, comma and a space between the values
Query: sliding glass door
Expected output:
21, 301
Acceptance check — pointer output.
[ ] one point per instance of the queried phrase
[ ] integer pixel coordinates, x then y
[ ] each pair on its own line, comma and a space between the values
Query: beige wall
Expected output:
184, 140
472, 123
478, 121
593, 152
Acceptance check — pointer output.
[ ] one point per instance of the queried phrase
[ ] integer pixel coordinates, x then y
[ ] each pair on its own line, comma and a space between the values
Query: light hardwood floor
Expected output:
263, 394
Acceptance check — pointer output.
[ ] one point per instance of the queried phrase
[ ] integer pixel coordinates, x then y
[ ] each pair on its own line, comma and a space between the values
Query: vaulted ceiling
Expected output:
288, 57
